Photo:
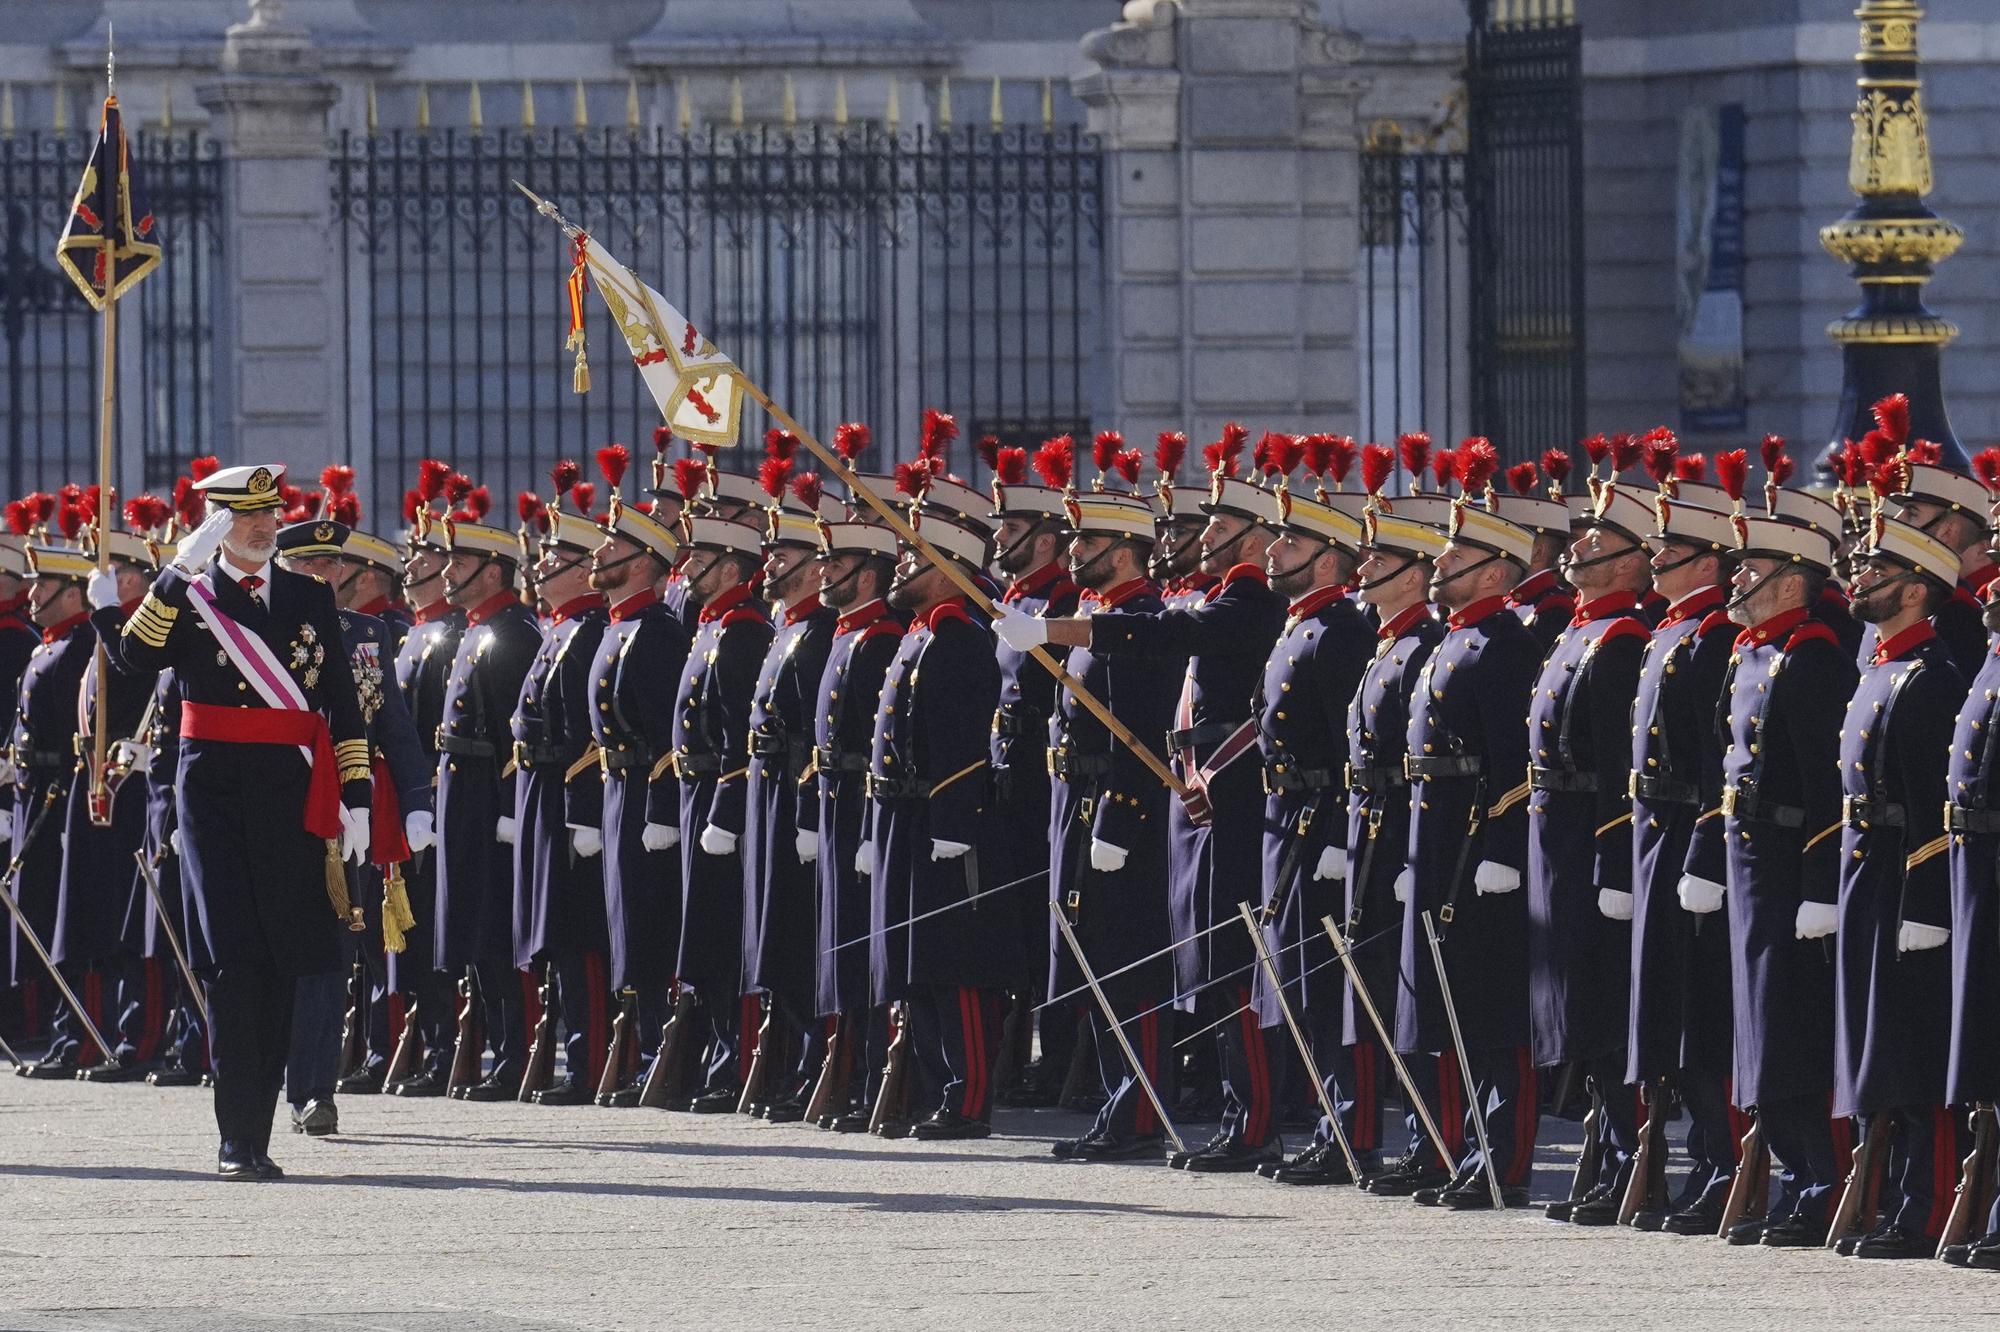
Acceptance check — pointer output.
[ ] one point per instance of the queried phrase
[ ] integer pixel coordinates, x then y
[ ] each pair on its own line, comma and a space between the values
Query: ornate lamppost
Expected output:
1891, 342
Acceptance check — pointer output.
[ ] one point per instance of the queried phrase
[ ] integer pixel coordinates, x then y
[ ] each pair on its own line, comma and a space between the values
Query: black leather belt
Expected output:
1374, 778
528, 754
1664, 790
1018, 723
1860, 812
1967, 819
696, 765
1561, 780
1430, 767
39, 758
897, 788
1742, 802
1208, 733
464, 746
828, 759
763, 744
1070, 764
621, 760
1287, 777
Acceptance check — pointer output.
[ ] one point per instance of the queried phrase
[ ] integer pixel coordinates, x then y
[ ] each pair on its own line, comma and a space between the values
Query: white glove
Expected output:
1493, 877
1332, 865
947, 850
660, 837
419, 830
1104, 857
864, 861
174, 841
103, 590
1700, 895
718, 841
1816, 920
9, 774
503, 832
1614, 905
1404, 882
354, 834
806, 840
1018, 629
1914, 937
193, 554
6, 830
586, 842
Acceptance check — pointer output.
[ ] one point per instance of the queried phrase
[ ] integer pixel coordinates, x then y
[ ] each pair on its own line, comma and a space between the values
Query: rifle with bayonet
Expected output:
353, 1048
403, 1062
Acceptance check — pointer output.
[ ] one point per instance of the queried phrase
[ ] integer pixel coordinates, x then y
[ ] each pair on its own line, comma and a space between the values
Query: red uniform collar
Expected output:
57, 631
1313, 602
576, 606
1777, 627
1975, 582
1112, 598
1903, 643
633, 604
1403, 620
432, 613
375, 607
944, 610
1693, 606
861, 616
1597, 608
490, 607
726, 601
1047, 582
809, 605
1247, 572
1477, 611
1532, 588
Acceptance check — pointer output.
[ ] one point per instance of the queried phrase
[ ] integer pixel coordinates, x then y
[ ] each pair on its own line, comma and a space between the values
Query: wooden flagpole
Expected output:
99, 804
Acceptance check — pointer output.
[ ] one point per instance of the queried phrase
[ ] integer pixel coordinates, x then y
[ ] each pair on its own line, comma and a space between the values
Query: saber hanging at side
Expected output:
106, 250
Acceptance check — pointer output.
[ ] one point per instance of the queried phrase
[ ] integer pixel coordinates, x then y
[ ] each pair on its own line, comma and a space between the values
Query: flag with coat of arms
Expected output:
105, 235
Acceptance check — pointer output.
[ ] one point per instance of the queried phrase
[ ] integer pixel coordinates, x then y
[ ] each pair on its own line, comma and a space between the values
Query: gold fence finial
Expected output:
1048, 104
527, 103
423, 106
683, 106
944, 102
995, 115
632, 103
167, 110
789, 103
370, 114
580, 107
60, 119
475, 110
840, 99
893, 114
6, 110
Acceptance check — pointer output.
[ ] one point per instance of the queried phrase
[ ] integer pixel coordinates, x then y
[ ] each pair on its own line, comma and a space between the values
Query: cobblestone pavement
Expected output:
431, 1215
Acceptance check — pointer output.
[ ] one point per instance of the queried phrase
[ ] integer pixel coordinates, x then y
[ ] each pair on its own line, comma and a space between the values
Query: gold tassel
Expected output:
336, 880
396, 914
579, 380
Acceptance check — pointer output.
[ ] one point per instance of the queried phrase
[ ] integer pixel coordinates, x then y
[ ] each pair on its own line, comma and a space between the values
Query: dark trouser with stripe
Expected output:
1126, 1111
1712, 1142
378, 1042
583, 999
436, 996
732, 1024
1504, 1081
503, 1005
69, 1040
1253, 1071
1926, 1144
1621, 1113
809, 1035
1354, 1075
250, 1009
1444, 1094
144, 984
955, 1034
1801, 1139
876, 1032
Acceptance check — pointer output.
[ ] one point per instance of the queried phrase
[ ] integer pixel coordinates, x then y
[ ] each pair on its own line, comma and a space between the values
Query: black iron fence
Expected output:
1415, 291
49, 384
857, 273
1525, 188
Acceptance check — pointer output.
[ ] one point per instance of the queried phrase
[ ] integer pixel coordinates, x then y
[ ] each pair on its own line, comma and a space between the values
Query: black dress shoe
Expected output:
265, 1168
60, 1067
423, 1084
891, 1129
1794, 1232
1846, 1244
1478, 1197
316, 1118
720, 1101
1985, 1254
1698, 1219
1650, 1221
1956, 1255
235, 1164
567, 1092
493, 1090
1070, 1149
1320, 1166
1401, 1183
1121, 1147
361, 1082
1597, 1211
1744, 1232
173, 1077
1893, 1241
122, 1071
784, 1112
949, 1125
854, 1121
625, 1098
1179, 1160
1235, 1157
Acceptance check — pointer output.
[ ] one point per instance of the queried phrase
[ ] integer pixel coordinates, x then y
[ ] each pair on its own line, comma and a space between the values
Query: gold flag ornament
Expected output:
699, 390
103, 234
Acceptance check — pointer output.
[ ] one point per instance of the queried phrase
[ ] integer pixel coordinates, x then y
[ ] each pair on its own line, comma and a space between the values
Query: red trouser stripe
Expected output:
1144, 1122
1451, 1106
1257, 1116
1367, 1110
965, 1044
596, 1020
1843, 1139
153, 1021
1944, 1169
979, 1062
1527, 1120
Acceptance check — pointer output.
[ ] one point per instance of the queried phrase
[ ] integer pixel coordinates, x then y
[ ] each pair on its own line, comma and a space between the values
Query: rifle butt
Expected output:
1749, 1190
830, 1088
666, 1081
541, 1067
404, 1057
1860, 1200
1081, 1075
1970, 1199
353, 1051
1646, 1191
890, 1100
614, 1056
465, 1050
760, 1062
1590, 1156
